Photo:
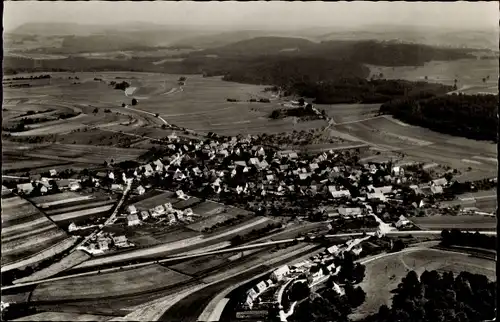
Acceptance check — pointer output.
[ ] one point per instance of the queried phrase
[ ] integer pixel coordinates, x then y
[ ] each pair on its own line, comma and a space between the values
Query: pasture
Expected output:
112, 284
384, 274
161, 199
207, 208
468, 73
462, 222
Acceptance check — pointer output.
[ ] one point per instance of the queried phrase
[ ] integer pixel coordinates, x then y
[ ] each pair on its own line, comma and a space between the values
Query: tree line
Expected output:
472, 116
455, 237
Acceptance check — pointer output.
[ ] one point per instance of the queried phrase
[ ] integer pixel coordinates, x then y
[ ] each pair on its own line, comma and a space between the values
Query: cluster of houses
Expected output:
164, 211
46, 185
316, 270
103, 242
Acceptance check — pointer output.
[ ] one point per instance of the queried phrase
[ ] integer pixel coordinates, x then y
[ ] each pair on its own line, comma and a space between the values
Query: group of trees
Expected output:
455, 237
122, 85
472, 116
440, 297
301, 112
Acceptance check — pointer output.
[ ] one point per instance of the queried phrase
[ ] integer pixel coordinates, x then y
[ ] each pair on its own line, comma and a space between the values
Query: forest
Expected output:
359, 90
440, 297
456, 237
472, 116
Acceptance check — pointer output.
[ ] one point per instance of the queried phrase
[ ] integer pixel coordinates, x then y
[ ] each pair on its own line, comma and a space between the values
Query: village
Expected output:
331, 187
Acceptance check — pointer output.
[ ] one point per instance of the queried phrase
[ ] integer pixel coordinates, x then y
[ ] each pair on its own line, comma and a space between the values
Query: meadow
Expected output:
384, 274
462, 222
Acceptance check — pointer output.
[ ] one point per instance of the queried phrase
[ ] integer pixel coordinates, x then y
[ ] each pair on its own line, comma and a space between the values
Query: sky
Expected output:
259, 14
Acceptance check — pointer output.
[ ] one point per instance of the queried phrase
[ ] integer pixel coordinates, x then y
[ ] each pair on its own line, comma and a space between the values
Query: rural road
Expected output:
233, 249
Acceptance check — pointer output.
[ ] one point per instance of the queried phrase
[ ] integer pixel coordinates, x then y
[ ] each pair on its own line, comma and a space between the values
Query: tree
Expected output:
95, 111
301, 101
123, 105
299, 291
398, 245
134, 102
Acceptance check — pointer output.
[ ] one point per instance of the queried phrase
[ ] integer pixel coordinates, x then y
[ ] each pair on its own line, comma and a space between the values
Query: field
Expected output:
27, 235
126, 282
156, 200
69, 261
210, 221
64, 316
469, 74
208, 208
422, 145
152, 234
384, 274
465, 222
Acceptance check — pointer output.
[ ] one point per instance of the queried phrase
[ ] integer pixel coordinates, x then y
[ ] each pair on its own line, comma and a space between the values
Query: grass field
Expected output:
379, 280
465, 222
67, 262
79, 214
156, 200
207, 208
112, 284
210, 221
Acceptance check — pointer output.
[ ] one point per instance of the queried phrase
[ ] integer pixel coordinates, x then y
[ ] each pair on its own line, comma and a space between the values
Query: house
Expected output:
334, 250
74, 186
357, 250
148, 170
350, 212
304, 176
383, 190
180, 194
101, 174
43, 189
53, 172
140, 190
131, 209
157, 211
376, 195
111, 175
338, 289
270, 177
436, 189
240, 163
279, 273
144, 214
338, 193
261, 286
263, 164
103, 244
158, 165
439, 182
315, 274
293, 155
133, 220
402, 222
120, 241
171, 218
63, 184
251, 293
117, 187
254, 161
313, 166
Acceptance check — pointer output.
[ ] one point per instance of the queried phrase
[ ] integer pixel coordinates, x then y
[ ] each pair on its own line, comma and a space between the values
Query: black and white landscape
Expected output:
251, 161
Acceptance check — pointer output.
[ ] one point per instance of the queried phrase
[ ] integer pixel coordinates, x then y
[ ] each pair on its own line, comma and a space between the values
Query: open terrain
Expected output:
385, 273
105, 285
28, 236
465, 222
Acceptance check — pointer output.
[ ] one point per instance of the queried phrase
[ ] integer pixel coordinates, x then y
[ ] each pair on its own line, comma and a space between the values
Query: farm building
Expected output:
133, 220
439, 182
25, 188
140, 190
279, 273
131, 209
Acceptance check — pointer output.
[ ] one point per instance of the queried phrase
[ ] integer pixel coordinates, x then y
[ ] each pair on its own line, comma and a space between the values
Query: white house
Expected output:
157, 211
168, 206
120, 241
348, 212
261, 286
439, 182
338, 193
158, 166
111, 175
74, 186
133, 220
171, 218
116, 187
131, 209
334, 250
140, 190
279, 273
313, 166
53, 172
254, 161
402, 222
180, 194
25, 188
